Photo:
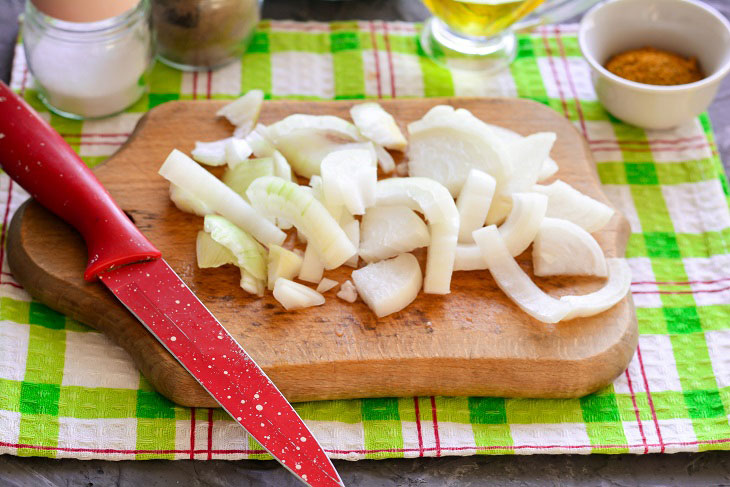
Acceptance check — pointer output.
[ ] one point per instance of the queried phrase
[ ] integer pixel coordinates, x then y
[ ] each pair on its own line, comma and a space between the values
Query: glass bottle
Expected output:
89, 69
203, 34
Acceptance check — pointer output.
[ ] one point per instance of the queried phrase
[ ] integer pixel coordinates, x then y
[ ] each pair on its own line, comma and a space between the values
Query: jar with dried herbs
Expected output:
203, 34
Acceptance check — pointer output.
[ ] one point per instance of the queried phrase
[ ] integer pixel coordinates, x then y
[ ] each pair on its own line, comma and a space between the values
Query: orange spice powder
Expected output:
655, 67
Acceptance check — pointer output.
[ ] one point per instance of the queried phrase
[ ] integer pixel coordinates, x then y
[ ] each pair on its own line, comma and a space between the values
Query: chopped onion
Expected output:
312, 266
390, 285
563, 248
243, 112
523, 222
351, 227
249, 254
237, 152
259, 142
282, 168
469, 258
446, 143
387, 164
348, 179
240, 177
306, 139
378, 125
184, 172
338, 211
210, 253
528, 155
473, 203
326, 284
282, 263
566, 202
401, 169
435, 202
293, 295
499, 209
387, 231
619, 283
211, 153
513, 281
347, 292
549, 169
297, 205
187, 202
549, 166
252, 285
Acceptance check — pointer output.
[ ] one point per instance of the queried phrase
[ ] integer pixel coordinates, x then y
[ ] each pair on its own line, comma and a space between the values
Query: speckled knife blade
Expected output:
159, 299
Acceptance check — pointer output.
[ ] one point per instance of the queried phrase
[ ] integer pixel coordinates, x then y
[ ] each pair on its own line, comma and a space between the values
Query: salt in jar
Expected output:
89, 58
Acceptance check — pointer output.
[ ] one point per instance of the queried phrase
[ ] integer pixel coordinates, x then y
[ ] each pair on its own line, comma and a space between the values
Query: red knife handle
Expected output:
38, 159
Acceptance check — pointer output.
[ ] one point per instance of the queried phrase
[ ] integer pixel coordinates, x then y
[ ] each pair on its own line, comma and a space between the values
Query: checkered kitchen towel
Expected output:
66, 391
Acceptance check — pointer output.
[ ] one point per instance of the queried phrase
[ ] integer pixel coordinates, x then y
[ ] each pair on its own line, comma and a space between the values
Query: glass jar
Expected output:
203, 34
89, 69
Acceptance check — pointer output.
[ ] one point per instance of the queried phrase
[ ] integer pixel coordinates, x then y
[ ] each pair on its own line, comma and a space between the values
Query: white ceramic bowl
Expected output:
686, 27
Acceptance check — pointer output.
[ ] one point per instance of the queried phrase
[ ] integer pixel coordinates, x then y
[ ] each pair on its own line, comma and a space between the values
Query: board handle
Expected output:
39, 159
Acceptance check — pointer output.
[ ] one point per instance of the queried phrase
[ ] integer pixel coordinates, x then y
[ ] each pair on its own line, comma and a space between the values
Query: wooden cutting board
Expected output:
473, 341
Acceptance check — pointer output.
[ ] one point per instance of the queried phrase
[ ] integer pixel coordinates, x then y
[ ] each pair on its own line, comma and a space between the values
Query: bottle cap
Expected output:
84, 10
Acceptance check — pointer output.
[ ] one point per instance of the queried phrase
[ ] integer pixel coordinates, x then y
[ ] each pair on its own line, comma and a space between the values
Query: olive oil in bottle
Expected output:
480, 18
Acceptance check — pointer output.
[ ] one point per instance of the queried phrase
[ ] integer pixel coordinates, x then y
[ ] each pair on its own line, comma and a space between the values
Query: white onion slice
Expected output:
348, 179
563, 248
252, 285
240, 177
243, 112
523, 222
187, 202
249, 254
549, 169
387, 231
435, 202
184, 172
293, 295
210, 253
566, 202
528, 155
282, 263
259, 142
237, 152
337, 212
347, 292
297, 204
549, 166
282, 168
390, 285
473, 203
312, 266
618, 284
326, 284
211, 153
351, 227
468, 257
513, 281
306, 139
385, 160
378, 125
446, 143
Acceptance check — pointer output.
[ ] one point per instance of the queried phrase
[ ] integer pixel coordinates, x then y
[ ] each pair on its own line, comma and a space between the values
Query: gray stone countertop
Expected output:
687, 470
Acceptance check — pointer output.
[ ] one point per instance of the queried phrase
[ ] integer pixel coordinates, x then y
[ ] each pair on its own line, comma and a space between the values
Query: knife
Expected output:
40, 160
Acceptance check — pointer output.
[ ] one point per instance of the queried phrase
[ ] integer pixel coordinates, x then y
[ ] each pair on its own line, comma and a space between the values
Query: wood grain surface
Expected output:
471, 342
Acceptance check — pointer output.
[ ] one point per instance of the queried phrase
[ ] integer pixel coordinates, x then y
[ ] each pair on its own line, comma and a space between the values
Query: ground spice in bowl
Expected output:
655, 67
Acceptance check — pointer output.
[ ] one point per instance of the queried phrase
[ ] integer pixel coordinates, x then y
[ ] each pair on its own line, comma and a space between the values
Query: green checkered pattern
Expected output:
66, 391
